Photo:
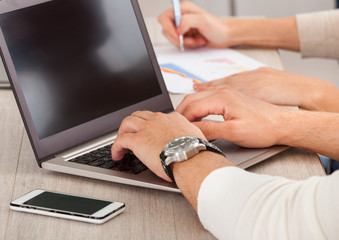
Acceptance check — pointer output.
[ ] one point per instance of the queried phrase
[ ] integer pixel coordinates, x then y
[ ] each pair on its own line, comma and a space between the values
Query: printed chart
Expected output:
182, 69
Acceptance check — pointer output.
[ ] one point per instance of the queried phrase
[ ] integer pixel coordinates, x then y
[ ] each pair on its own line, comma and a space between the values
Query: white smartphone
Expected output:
67, 206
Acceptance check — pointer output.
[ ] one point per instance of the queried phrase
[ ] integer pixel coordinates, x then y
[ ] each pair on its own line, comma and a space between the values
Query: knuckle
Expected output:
189, 107
159, 115
135, 113
188, 98
176, 114
126, 120
208, 129
189, 112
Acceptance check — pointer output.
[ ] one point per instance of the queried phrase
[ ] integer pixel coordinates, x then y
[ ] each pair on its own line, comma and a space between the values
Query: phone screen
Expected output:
67, 203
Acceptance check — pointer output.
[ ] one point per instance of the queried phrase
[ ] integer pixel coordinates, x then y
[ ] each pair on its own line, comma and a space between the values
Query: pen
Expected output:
177, 17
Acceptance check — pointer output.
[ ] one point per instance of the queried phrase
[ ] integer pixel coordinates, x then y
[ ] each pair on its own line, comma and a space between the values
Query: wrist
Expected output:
204, 162
320, 97
182, 149
296, 127
268, 33
312, 100
190, 174
287, 125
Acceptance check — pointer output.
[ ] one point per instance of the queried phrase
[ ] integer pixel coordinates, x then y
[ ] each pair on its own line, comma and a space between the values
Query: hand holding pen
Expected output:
198, 27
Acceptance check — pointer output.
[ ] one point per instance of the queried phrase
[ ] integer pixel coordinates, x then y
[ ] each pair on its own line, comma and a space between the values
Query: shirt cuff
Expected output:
319, 34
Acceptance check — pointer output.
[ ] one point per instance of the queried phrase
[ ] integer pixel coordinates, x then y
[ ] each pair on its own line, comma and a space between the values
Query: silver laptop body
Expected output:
4, 83
77, 68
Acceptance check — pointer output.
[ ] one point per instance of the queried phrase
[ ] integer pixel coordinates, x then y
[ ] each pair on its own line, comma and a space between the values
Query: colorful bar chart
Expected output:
175, 69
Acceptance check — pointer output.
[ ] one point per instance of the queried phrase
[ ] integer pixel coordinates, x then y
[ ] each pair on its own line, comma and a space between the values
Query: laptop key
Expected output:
83, 161
130, 163
121, 168
96, 163
90, 159
107, 165
106, 159
102, 158
105, 152
86, 155
140, 168
98, 155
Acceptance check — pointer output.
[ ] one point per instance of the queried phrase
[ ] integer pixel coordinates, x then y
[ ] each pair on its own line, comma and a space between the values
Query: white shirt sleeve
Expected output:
235, 204
319, 34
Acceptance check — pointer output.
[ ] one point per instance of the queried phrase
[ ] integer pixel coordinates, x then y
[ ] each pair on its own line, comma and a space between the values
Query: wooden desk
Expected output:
150, 214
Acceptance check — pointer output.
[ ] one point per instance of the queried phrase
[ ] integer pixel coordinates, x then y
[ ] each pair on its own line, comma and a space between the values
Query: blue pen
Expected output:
177, 17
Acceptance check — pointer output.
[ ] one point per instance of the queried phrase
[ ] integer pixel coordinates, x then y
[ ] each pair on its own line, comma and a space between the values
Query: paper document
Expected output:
181, 69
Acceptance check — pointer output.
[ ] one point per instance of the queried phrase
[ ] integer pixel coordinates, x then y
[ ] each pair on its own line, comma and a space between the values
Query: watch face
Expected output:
181, 145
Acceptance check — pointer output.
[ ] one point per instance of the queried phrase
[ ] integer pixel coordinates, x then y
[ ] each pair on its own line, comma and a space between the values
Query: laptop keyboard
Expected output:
102, 158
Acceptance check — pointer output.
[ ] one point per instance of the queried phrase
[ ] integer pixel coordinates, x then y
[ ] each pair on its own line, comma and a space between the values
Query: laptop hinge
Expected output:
45, 159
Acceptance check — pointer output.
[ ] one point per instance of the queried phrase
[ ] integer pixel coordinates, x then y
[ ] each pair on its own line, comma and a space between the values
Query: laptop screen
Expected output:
78, 60
77, 68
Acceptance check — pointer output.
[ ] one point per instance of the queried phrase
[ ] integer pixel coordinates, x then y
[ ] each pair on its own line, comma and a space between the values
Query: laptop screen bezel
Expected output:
47, 148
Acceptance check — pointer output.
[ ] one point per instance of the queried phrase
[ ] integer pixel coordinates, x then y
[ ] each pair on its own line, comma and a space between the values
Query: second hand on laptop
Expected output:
177, 17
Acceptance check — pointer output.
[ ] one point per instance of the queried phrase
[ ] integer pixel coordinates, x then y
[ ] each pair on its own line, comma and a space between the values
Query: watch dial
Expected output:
181, 144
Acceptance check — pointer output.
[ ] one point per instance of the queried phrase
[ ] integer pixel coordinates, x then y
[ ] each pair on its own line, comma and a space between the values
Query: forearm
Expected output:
266, 33
316, 131
190, 174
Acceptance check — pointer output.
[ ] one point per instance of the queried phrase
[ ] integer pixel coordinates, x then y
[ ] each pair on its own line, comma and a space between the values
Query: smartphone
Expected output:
67, 206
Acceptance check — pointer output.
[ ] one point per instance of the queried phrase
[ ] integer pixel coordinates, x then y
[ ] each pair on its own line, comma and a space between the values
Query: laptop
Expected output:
77, 68
4, 83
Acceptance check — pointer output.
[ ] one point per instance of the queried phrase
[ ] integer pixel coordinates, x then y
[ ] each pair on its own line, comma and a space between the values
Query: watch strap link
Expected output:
167, 169
211, 147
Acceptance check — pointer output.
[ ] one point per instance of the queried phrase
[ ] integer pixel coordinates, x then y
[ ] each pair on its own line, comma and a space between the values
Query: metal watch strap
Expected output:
209, 147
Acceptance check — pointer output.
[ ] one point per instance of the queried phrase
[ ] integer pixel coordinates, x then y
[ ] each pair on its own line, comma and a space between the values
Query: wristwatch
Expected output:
182, 149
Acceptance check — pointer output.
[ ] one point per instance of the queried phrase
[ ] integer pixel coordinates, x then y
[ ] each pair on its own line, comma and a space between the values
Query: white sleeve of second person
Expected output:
236, 204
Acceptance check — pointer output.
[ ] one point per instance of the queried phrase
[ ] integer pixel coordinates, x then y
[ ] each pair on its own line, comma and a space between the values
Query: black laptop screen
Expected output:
77, 60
